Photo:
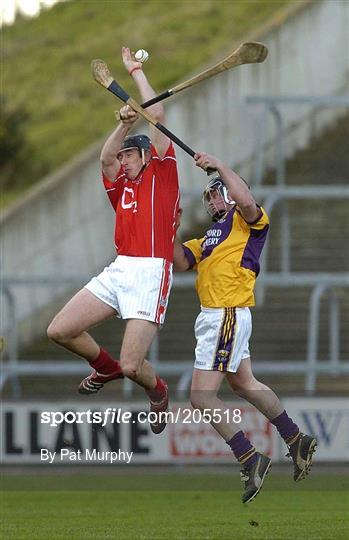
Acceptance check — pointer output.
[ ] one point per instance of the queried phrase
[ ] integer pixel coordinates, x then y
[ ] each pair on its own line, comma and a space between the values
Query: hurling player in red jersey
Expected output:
140, 178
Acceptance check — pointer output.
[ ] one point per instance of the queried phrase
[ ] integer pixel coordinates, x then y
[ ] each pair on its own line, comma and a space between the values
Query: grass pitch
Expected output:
172, 506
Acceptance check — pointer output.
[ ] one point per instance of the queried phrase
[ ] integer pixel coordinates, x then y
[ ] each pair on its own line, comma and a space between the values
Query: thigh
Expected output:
138, 337
82, 312
242, 376
206, 380
204, 388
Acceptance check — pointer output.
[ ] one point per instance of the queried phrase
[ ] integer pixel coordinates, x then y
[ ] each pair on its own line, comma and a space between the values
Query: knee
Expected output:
243, 387
131, 364
56, 333
195, 403
240, 391
130, 369
199, 399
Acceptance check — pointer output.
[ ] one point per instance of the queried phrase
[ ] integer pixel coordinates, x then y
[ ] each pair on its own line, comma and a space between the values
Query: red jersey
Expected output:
146, 208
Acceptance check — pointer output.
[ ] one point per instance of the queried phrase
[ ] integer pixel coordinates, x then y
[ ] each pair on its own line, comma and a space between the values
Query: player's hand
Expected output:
206, 161
127, 115
128, 59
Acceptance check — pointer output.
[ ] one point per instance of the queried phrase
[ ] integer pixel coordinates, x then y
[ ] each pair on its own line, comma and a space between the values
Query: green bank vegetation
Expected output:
46, 79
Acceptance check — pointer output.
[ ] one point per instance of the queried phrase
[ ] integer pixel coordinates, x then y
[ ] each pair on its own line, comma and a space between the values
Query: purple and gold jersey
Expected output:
227, 260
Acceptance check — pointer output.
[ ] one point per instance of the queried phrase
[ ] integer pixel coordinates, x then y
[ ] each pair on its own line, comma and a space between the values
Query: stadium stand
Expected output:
318, 232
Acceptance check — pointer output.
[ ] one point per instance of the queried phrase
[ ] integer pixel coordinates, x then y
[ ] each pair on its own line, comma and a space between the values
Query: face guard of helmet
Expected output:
140, 142
215, 199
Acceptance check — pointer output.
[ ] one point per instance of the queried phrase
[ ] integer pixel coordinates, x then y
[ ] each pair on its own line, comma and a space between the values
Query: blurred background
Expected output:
283, 125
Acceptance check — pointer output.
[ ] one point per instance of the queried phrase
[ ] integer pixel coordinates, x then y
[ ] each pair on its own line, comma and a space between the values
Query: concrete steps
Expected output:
319, 242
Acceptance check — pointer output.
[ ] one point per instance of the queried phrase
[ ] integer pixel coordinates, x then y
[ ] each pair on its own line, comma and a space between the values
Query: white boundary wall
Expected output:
65, 224
187, 441
308, 55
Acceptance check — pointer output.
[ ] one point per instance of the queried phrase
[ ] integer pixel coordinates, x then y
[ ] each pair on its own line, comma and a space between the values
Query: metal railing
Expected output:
281, 194
272, 110
311, 366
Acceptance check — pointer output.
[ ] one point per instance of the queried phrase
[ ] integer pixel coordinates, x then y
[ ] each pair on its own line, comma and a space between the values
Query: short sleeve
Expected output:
113, 188
193, 251
261, 221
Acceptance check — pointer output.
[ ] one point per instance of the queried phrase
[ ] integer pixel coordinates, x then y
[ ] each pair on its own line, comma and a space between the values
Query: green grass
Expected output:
172, 507
46, 61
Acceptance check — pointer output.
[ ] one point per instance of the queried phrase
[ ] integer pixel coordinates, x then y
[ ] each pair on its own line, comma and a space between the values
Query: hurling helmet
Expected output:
216, 185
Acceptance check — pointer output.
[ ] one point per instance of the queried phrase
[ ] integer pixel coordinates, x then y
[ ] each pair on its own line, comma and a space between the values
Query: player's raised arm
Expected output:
134, 68
109, 154
237, 188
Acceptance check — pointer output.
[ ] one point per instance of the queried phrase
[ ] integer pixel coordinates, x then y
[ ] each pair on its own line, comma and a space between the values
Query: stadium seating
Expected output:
318, 243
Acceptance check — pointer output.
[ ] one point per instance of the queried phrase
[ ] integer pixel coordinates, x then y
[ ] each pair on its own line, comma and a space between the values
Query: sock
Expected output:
243, 450
288, 430
158, 393
105, 364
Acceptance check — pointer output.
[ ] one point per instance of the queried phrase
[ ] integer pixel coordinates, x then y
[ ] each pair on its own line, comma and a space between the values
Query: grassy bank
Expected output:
46, 62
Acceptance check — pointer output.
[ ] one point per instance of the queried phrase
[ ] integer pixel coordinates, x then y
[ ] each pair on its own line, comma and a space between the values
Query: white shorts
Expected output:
136, 287
222, 336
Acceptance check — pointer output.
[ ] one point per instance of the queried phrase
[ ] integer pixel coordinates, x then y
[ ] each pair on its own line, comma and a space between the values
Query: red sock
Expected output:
158, 393
105, 364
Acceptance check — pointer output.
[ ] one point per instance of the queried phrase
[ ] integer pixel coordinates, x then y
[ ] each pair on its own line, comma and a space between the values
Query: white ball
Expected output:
141, 55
